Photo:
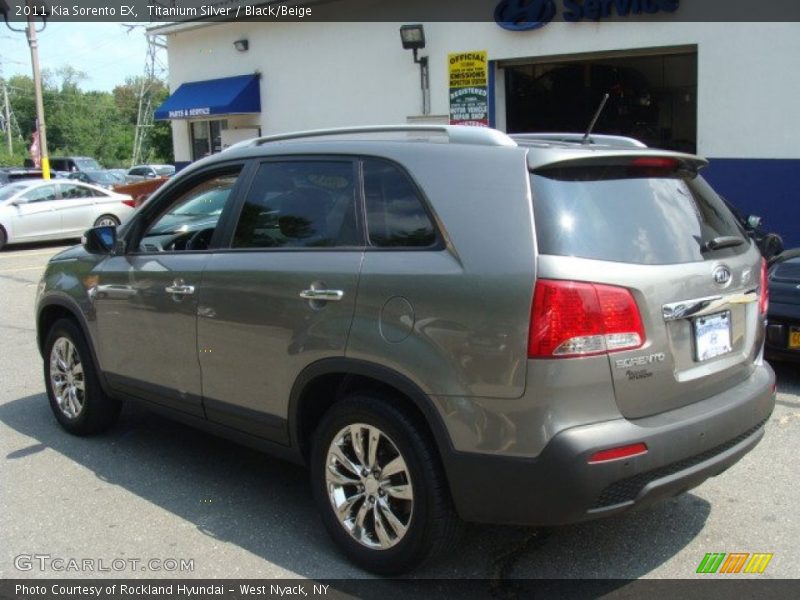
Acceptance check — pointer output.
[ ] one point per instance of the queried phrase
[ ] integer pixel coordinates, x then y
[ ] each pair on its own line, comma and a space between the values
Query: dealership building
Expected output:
728, 91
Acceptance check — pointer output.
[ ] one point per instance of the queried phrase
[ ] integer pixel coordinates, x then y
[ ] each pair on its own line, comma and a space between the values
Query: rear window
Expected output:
651, 221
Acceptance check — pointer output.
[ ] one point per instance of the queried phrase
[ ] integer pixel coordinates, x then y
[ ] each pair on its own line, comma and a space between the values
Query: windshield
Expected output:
10, 190
102, 177
648, 220
165, 170
87, 164
206, 204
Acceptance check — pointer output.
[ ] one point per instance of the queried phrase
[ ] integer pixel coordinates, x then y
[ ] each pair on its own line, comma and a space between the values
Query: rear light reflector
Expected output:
763, 296
131, 203
617, 453
572, 318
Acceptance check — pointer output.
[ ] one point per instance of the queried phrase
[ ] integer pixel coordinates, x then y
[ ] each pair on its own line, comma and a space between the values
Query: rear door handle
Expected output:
324, 295
179, 288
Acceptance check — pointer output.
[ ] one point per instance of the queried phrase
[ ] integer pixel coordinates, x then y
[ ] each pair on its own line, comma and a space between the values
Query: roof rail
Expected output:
454, 134
577, 138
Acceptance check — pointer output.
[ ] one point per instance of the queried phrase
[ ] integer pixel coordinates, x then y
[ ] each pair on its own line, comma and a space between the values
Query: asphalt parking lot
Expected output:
152, 489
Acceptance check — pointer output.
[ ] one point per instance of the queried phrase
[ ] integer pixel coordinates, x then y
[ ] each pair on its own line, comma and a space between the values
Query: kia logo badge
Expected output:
722, 275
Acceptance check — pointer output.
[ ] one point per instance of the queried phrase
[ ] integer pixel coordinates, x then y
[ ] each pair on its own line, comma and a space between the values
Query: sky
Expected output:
104, 51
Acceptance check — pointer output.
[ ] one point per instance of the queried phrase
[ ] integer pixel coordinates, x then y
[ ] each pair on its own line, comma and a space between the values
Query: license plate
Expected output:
712, 335
794, 338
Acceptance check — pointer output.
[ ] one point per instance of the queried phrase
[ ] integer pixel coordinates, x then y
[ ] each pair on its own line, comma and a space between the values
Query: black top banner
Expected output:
512, 14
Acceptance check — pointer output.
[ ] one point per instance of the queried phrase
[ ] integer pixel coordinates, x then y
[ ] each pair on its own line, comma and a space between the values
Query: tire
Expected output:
68, 365
430, 522
106, 220
3, 238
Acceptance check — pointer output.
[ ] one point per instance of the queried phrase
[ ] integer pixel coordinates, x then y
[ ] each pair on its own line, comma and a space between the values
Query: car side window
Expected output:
396, 215
189, 221
41, 194
300, 204
70, 191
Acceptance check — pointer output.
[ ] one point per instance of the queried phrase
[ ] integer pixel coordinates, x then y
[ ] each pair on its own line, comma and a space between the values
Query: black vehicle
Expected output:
9, 174
783, 318
770, 244
102, 178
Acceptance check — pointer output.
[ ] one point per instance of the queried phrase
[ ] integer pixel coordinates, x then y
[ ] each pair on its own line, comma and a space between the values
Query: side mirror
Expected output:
19, 201
753, 221
100, 240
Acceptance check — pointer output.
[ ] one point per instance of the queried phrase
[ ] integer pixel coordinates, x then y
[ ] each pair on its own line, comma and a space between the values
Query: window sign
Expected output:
469, 88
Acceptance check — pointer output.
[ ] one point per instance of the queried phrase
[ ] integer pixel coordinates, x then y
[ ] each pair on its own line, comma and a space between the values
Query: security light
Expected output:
413, 37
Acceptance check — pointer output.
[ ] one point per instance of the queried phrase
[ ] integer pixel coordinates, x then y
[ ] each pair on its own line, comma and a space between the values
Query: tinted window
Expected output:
87, 164
41, 193
189, 221
635, 220
396, 216
70, 191
299, 204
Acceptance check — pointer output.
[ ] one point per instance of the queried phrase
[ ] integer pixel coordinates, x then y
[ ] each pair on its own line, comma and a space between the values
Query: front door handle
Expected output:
323, 295
179, 288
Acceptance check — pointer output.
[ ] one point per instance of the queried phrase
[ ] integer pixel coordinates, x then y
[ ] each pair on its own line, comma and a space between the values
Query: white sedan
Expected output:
39, 210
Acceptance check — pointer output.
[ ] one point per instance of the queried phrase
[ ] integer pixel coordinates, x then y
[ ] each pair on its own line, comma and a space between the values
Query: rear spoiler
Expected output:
617, 165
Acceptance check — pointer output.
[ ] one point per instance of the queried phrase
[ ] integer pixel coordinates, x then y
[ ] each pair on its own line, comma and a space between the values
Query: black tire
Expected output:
99, 221
98, 411
433, 523
3, 238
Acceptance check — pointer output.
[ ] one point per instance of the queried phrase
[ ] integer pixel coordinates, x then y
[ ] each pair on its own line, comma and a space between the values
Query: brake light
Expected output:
131, 203
655, 162
572, 318
617, 453
763, 297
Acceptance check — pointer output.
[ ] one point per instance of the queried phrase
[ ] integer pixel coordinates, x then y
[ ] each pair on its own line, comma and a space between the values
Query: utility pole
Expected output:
7, 119
37, 85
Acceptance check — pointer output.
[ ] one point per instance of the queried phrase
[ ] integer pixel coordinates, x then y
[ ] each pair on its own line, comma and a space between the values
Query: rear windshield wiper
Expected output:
723, 241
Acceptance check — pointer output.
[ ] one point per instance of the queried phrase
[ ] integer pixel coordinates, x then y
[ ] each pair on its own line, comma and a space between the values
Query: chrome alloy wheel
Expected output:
106, 221
369, 486
66, 377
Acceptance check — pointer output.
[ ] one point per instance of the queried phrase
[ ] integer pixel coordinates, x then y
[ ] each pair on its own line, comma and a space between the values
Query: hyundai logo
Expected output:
722, 275
524, 15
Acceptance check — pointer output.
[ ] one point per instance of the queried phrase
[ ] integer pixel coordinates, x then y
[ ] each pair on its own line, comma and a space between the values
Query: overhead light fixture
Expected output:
413, 38
241, 45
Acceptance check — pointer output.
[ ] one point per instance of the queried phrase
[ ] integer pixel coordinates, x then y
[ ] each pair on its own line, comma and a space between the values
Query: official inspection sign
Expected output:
468, 75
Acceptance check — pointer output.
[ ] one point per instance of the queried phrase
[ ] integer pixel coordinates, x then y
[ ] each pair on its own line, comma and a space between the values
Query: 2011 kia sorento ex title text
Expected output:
442, 322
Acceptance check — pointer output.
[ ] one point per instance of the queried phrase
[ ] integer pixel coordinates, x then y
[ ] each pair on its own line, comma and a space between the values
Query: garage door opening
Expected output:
652, 98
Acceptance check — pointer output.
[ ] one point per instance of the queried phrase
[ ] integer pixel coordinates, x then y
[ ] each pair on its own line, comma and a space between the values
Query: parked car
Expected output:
142, 172
9, 174
783, 318
770, 244
38, 210
100, 178
121, 175
70, 164
390, 307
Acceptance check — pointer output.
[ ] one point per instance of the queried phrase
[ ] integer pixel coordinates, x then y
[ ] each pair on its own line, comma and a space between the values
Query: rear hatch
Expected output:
647, 228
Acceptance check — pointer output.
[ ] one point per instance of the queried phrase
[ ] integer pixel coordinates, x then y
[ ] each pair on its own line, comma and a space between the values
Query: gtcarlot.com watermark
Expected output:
47, 563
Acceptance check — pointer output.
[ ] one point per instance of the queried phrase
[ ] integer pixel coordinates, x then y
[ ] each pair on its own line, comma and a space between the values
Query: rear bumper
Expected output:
685, 447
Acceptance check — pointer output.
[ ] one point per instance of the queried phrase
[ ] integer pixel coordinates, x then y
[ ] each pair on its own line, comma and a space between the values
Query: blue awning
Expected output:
226, 96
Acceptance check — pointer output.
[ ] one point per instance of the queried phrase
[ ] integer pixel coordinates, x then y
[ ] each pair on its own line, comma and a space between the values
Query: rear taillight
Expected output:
131, 203
572, 318
763, 296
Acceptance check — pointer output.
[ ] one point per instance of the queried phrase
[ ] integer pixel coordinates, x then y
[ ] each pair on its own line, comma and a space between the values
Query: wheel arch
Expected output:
56, 308
333, 378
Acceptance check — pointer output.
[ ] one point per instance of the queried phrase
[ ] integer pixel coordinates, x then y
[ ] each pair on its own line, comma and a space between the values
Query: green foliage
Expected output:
97, 124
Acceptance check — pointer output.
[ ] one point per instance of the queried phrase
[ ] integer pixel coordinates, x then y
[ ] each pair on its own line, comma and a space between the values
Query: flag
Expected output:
35, 151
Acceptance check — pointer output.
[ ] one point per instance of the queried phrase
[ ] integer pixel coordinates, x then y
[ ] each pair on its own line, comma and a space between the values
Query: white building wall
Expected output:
336, 74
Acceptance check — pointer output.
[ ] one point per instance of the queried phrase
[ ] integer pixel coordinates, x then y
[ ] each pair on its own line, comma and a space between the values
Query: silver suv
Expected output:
441, 322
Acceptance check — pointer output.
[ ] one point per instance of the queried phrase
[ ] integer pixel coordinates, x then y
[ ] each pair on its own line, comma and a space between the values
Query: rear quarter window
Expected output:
658, 220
